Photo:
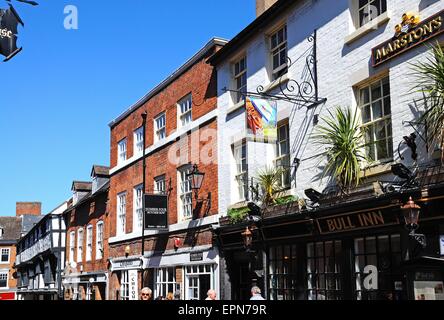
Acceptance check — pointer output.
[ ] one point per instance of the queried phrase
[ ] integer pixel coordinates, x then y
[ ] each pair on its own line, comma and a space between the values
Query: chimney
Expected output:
263, 5
28, 208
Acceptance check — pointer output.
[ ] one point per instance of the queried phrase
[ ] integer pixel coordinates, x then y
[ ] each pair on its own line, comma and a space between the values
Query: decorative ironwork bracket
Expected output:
414, 125
303, 93
420, 238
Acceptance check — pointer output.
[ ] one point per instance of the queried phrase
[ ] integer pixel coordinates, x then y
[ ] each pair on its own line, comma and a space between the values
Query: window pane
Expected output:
366, 114
377, 109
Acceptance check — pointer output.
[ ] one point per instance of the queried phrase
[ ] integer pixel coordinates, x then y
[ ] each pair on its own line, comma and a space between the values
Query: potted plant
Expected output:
342, 139
428, 79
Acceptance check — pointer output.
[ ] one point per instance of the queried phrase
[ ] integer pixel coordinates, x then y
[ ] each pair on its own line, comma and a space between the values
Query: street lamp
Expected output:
247, 236
411, 212
196, 180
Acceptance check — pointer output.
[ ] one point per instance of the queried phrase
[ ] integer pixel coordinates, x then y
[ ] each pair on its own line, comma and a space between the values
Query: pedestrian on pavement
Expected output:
146, 294
170, 296
256, 294
211, 295
177, 295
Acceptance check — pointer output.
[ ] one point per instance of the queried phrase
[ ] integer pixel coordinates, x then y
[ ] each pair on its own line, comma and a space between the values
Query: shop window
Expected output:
375, 106
283, 284
124, 285
198, 280
384, 253
324, 271
165, 281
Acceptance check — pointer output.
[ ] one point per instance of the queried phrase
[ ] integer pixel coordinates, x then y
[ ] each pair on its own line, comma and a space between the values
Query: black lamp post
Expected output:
411, 212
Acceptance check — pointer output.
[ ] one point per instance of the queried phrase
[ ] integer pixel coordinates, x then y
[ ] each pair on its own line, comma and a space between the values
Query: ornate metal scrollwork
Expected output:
303, 92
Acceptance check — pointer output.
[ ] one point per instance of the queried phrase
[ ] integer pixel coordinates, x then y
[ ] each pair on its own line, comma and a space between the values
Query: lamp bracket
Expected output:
414, 125
420, 238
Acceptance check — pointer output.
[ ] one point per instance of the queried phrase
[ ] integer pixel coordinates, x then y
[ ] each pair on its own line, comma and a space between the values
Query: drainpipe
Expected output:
59, 261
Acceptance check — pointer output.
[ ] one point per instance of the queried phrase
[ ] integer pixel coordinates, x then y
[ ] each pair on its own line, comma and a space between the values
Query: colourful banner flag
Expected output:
262, 118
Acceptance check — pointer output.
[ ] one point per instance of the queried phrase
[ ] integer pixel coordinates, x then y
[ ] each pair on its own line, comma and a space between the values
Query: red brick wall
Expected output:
31, 208
12, 283
89, 213
200, 81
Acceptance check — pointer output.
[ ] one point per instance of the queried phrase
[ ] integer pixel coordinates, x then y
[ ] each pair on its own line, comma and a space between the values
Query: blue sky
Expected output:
59, 94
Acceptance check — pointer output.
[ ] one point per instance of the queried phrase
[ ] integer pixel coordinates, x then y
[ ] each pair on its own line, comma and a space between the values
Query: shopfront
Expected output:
347, 251
86, 286
125, 278
190, 272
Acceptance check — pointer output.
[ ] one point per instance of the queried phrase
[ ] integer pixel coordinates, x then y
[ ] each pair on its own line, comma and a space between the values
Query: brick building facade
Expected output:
181, 131
9, 234
86, 272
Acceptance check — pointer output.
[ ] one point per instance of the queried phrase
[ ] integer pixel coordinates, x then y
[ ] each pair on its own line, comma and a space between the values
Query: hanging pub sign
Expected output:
155, 211
408, 34
9, 21
262, 118
357, 221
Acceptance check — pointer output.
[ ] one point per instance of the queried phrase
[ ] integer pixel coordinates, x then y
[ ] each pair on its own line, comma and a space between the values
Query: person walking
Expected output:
211, 295
146, 294
256, 294
170, 296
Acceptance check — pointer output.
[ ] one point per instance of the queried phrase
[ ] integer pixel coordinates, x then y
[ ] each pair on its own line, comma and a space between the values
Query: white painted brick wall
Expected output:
338, 64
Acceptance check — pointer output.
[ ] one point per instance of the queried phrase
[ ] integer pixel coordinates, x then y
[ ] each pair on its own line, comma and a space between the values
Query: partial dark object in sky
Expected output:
9, 21
32, 3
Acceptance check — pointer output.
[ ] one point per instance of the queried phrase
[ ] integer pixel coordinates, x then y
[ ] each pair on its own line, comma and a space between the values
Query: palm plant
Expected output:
269, 181
429, 80
342, 137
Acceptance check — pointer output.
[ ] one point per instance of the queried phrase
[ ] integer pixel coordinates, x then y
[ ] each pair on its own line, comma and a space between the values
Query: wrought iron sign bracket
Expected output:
414, 125
304, 93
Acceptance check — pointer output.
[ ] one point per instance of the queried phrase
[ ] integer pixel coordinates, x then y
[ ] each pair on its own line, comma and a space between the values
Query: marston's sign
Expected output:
9, 21
357, 221
409, 33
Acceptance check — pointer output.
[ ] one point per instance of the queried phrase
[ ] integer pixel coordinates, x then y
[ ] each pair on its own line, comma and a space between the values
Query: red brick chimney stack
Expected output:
28, 208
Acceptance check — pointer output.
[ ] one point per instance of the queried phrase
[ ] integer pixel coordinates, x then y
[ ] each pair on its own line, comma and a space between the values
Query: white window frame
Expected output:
194, 271
2, 275
138, 208
99, 240
160, 185
9, 255
2, 232
121, 214
241, 175
357, 9
282, 159
80, 233
138, 141
122, 151
185, 110
374, 122
162, 282
185, 194
276, 50
124, 285
72, 245
160, 127
239, 73
89, 242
